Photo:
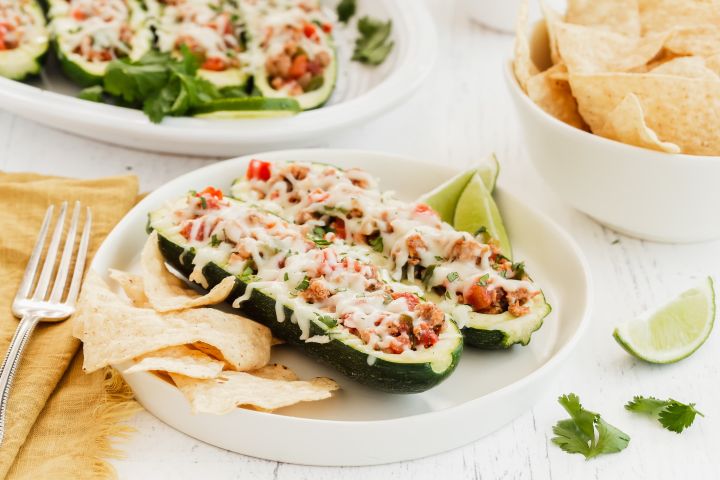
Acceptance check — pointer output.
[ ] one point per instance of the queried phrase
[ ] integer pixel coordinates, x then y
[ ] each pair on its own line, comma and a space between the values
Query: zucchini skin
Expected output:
382, 375
74, 71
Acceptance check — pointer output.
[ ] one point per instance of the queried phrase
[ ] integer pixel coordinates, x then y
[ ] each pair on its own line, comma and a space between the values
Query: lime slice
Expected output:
476, 209
674, 331
248, 107
444, 198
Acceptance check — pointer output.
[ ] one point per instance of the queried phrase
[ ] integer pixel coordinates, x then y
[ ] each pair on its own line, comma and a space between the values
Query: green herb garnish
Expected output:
372, 46
377, 243
672, 415
346, 9
91, 94
585, 432
303, 285
452, 276
214, 241
483, 281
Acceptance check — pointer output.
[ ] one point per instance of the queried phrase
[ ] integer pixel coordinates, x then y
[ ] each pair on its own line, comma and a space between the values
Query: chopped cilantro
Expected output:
286, 277
480, 230
483, 281
346, 9
428, 274
377, 243
203, 202
452, 276
304, 284
214, 241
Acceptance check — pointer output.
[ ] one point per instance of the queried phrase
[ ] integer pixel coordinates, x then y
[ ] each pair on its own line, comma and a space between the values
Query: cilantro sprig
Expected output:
672, 415
160, 84
346, 9
585, 432
373, 45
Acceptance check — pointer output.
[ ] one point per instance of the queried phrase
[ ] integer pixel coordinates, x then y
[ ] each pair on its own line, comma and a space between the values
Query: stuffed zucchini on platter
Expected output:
23, 38
212, 29
89, 34
492, 299
291, 51
325, 297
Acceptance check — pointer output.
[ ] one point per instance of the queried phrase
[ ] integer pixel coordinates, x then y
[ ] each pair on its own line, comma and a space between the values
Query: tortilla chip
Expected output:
626, 124
168, 293
235, 389
702, 40
713, 63
180, 359
692, 67
114, 331
592, 50
552, 18
523, 65
554, 96
620, 16
133, 287
681, 110
664, 15
275, 371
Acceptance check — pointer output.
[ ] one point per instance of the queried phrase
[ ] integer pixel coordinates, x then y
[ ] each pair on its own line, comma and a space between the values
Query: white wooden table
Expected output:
462, 112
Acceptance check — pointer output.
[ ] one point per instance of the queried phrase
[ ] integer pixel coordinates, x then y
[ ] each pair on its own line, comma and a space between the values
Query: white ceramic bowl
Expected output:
360, 426
639, 192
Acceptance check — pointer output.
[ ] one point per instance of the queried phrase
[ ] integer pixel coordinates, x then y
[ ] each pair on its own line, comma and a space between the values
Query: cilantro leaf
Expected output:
304, 284
346, 9
672, 415
483, 281
135, 81
215, 241
377, 243
372, 46
577, 434
452, 276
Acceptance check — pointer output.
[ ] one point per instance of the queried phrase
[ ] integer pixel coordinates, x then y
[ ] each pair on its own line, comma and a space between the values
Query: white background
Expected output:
462, 112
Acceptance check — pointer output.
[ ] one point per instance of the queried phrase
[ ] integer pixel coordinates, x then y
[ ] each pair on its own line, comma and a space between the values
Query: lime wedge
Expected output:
674, 331
476, 210
444, 197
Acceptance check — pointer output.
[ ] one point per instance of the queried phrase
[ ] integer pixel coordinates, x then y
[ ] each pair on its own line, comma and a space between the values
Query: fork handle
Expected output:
11, 362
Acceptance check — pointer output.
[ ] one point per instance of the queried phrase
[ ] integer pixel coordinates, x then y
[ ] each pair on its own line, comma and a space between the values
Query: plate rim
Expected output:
551, 364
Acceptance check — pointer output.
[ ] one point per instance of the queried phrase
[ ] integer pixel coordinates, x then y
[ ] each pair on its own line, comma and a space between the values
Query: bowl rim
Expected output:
518, 92
552, 363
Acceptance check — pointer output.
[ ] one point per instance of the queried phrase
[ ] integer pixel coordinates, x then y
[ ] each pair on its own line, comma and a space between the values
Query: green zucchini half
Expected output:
65, 30
484, 331
410, 372
26, 58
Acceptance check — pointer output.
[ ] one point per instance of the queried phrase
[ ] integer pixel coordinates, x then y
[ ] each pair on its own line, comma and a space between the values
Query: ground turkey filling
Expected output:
346, 204
318, 275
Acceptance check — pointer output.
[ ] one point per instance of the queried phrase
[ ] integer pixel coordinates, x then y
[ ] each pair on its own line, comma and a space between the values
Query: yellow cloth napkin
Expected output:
60, 422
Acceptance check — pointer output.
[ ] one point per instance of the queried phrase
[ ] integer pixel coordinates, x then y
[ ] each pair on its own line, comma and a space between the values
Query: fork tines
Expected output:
42, 283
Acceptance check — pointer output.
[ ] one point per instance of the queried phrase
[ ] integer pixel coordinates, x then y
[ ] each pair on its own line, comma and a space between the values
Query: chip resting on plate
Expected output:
181, 359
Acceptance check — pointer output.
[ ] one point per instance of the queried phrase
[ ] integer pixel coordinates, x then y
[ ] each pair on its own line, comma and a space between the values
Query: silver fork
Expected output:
35, 305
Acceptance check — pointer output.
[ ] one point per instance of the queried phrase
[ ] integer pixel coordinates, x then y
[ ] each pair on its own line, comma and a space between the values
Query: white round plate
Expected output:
361, 93
360, 426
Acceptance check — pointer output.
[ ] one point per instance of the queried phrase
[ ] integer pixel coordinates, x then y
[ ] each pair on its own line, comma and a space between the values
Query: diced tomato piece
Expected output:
299, 66
216, 64
426, 336
327, 28
411, 299
479, 297
258, 170
2, 43
339, 226
79, 15
309, 30
422, 208
213, 192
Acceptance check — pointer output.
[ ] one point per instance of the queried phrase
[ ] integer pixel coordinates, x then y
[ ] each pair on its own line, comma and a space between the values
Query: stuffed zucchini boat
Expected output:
89, 34
324, 298
23, 38
491, 298
291, 50
212, 29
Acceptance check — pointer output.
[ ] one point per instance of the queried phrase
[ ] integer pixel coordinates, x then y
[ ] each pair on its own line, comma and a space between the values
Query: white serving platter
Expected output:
361, 94
360, 426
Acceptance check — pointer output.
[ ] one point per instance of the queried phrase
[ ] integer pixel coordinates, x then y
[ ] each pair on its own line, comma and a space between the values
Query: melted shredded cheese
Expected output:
330, 284
418, 245
18, 25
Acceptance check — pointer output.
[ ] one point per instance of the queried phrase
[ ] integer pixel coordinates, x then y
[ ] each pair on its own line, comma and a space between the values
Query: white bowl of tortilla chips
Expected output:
620, 105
